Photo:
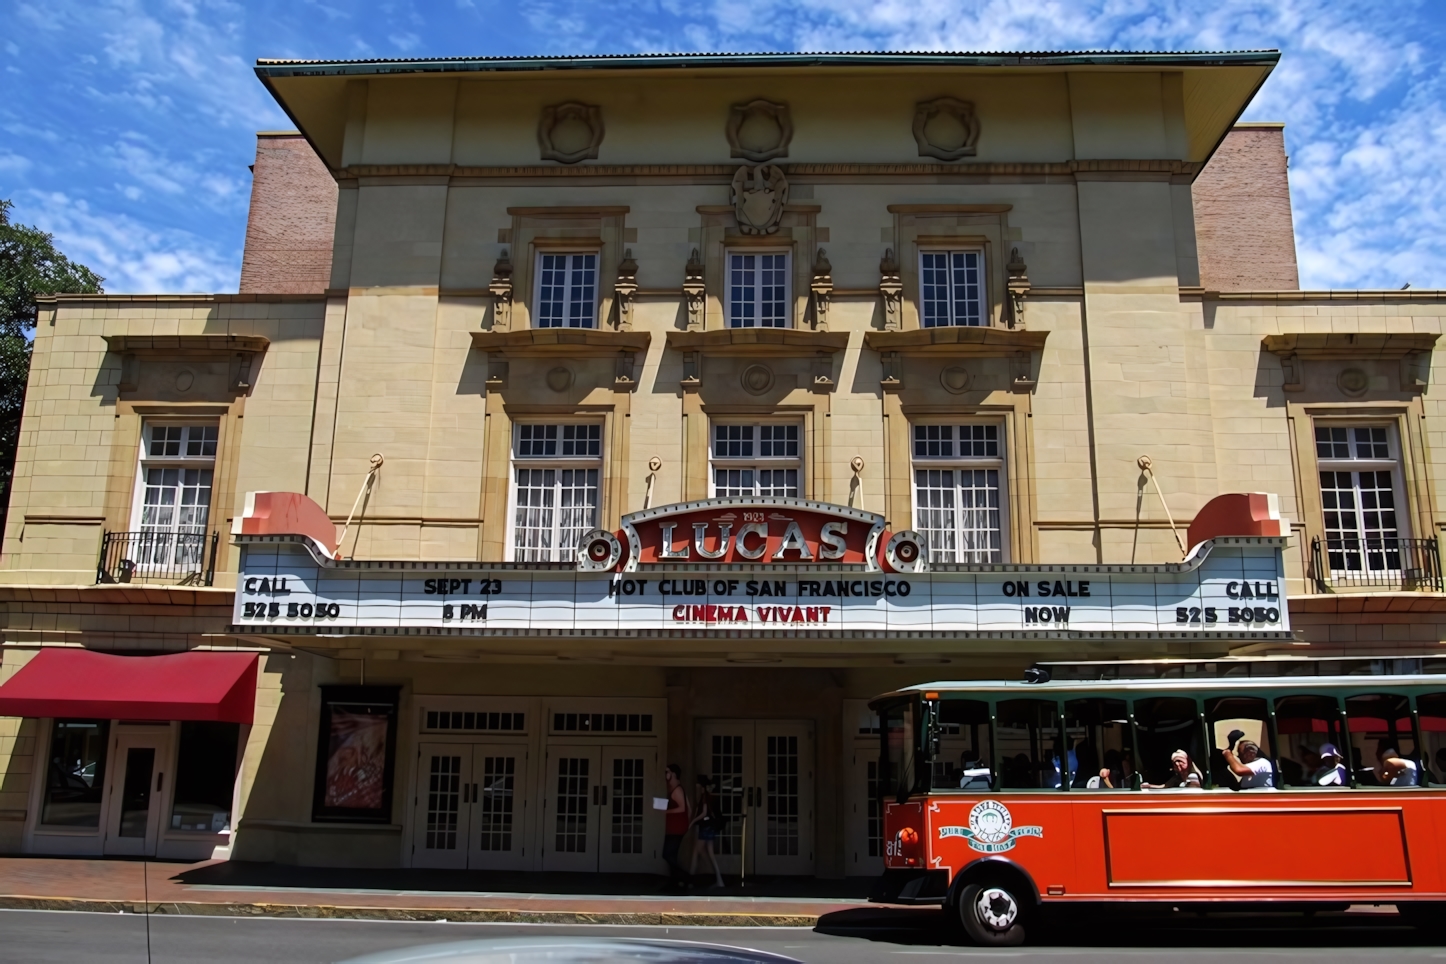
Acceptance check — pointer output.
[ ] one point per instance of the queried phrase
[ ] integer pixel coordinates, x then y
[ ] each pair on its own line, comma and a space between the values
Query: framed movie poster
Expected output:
356, 754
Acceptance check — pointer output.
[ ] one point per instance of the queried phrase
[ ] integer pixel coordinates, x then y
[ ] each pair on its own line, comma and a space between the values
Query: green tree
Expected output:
29, 267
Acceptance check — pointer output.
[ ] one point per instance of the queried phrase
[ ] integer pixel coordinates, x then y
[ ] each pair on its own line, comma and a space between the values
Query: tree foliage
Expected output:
29, 267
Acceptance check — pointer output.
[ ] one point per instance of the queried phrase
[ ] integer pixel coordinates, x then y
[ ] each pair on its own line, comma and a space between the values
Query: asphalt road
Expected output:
865, 936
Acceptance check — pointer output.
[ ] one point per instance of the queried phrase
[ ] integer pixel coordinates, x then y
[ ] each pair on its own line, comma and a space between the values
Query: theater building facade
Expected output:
580, 416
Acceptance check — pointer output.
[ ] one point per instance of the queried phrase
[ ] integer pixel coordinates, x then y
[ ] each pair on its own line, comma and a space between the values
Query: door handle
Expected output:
604, 790
160, 779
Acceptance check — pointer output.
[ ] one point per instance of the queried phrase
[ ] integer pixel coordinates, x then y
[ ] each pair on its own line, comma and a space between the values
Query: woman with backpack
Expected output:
709, 821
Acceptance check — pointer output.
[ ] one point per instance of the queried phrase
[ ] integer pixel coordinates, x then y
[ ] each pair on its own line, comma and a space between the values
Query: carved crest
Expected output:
759, 130
759, 194
946, 128
570, 132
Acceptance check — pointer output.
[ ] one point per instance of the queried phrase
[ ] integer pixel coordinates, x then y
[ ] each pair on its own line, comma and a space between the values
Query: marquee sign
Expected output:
758, 568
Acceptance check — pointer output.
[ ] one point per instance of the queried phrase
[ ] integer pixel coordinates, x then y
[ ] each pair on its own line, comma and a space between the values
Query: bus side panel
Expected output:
1036, 832
1287, 847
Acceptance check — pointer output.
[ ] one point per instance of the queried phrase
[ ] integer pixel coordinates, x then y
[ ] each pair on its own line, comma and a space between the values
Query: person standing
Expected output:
675, 825
706, 818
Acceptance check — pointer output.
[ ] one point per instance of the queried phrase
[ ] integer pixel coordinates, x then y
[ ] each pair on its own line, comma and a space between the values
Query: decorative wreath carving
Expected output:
552, 117
961, 111
740, 114
759, 194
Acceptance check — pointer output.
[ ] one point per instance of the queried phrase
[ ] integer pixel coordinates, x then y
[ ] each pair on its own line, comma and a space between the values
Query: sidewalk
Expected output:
234, 889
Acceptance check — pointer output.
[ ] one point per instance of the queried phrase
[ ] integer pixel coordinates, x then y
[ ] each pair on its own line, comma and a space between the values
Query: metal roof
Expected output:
1304, 684
862, 58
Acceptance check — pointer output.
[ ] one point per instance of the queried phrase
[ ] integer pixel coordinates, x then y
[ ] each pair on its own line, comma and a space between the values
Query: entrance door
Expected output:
571, 810
864, 821
138, 788
599, 812
469, 811
765, 780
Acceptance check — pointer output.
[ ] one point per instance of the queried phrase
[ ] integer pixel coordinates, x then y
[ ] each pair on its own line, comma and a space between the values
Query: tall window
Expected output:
556, 470
757, 290
951, 288
567, 290
756, 459
958, 504
178, 465
1358, 476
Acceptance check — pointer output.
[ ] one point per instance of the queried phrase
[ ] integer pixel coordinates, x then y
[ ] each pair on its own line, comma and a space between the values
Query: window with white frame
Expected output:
567, 290
556, 470
756, 458
758, 290
951, 288
1359, 494
173, 498
958, 496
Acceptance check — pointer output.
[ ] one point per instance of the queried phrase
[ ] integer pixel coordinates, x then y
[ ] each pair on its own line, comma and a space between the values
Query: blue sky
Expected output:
126, 125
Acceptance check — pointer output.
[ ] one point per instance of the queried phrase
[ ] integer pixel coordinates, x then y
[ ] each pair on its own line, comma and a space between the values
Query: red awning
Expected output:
80, 684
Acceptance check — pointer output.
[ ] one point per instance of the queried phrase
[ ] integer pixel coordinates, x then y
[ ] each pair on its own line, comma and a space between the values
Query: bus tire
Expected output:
992, 913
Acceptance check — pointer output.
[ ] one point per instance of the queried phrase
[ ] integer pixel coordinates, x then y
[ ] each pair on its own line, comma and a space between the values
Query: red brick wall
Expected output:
292, 221
1243, 227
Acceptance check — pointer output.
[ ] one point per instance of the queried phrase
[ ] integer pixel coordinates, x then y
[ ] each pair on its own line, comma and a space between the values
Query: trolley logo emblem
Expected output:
991, 829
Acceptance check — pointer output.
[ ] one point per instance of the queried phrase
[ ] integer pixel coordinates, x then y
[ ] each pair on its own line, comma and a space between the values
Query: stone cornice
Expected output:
1150, 169
188, 343
544, 342
776, 342
956, 340
1311, 344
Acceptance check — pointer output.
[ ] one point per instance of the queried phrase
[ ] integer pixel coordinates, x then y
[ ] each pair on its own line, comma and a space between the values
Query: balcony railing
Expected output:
177, 558
1409, 565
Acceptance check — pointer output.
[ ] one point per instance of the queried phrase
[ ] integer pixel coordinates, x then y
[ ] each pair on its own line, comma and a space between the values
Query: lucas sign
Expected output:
764, 568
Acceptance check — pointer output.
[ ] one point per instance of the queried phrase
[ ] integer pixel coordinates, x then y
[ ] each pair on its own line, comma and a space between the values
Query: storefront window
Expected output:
75, 776
354, 759
205, 776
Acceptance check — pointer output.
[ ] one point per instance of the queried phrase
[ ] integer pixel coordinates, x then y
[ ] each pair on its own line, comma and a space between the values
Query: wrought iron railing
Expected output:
182, 558
1412, 565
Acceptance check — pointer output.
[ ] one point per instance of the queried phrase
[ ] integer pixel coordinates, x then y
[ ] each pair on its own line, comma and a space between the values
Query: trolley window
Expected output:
1312, 742
1383, 741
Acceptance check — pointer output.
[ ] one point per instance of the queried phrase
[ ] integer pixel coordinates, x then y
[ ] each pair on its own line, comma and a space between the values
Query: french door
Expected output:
765, 776
471, 806
139, 786
597, 811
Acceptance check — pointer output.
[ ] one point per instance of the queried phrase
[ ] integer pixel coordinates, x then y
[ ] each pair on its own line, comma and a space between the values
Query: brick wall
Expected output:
1243, 227
293, 217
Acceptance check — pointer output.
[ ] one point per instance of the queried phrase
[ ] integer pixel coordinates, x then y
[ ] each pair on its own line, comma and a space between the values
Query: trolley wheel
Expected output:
992, 914
1422, 914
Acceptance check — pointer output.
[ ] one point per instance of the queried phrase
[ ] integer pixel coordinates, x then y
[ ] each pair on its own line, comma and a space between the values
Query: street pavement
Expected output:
915, 936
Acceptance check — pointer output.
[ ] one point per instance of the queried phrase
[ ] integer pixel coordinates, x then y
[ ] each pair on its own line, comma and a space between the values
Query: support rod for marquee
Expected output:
1146, 466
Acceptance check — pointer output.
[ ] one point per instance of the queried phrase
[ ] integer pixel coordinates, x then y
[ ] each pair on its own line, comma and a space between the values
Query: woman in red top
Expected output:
675, 825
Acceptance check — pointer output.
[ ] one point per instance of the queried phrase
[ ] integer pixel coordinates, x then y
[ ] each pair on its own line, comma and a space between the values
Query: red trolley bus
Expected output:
1004, 797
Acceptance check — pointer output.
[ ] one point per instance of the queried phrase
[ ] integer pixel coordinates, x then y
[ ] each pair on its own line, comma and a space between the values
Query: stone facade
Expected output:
1102, 337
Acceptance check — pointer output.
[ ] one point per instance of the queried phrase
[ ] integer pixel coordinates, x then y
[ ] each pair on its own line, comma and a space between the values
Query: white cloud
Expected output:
13, 164
131, 256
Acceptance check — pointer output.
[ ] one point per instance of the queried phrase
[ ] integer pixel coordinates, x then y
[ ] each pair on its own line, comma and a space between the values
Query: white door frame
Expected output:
160, 738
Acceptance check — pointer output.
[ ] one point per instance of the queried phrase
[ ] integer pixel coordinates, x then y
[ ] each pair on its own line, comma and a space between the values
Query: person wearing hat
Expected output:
1331, 772
1246, 762
1184, 774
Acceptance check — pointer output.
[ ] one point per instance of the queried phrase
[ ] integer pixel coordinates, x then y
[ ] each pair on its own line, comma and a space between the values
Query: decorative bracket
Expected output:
1024, 380
821, 287
240, 370
694, 289
691, 380
823, 372
1018, 287
893, 376
501, 289
891, 288
496, 373
625, 289
623, 377
1292, 373
1413, 372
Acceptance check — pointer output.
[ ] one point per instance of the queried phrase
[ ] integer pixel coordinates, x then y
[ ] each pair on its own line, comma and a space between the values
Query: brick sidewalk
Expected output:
132, 886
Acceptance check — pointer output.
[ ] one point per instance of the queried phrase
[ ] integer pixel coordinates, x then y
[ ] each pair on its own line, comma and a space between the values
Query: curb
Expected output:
451, 914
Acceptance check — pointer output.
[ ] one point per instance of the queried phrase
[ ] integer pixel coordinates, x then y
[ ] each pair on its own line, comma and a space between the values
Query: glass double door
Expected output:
471, 806
598, 810
764, 773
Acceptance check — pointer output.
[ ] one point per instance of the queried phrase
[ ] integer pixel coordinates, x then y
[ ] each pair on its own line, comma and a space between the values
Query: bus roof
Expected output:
1217, 684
